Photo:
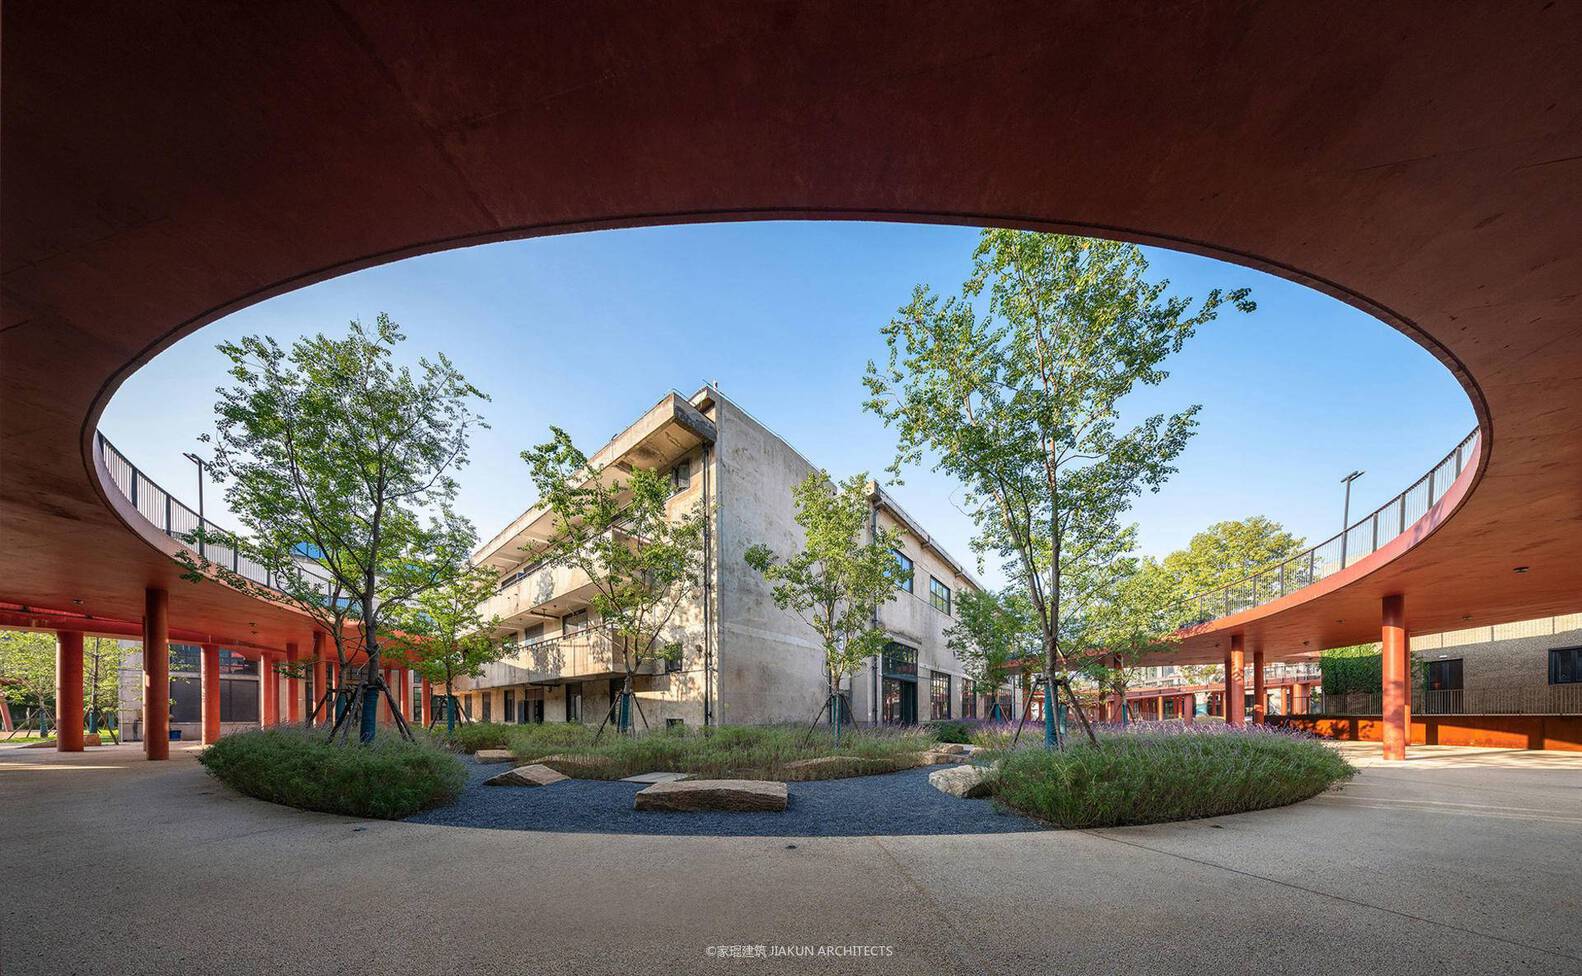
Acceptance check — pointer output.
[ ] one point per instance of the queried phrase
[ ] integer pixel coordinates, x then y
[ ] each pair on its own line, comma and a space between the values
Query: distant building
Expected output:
744, 660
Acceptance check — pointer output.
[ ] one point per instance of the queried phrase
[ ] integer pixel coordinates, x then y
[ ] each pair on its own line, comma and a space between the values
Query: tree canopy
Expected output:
443, 634
642, 559
991, 634
339, 463
1015, 387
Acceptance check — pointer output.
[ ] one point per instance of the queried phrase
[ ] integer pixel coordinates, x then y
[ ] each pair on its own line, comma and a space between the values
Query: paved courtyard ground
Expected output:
1457, 861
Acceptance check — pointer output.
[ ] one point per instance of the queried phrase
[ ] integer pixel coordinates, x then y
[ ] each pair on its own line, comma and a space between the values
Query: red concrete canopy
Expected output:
165, 164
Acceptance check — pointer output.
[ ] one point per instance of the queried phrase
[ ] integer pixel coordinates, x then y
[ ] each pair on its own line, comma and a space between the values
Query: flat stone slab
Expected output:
533, 775
494, 755
829, 767
655, 778
967, 782
728, 795
953, 748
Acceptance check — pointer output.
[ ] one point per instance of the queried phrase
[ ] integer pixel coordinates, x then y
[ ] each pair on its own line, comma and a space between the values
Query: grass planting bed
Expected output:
781, 752
1160, 772
388, 779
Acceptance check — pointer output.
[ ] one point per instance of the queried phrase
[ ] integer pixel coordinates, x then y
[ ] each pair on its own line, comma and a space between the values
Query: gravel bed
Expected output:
895, 804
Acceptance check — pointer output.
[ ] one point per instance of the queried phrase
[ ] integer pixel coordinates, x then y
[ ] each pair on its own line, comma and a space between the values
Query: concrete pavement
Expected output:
1457, 861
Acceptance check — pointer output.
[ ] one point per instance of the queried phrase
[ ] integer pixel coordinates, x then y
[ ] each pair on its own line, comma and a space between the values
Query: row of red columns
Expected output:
1397, 701
156, 685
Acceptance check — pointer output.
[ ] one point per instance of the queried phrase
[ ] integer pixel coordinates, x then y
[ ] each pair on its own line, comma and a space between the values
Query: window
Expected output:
1565, 666
488, 699
466, 705
574, 702
572, 623
903, 571
900, 660
532, 634
939, 595
1444, 675
939, 694
307, 550
509, 713
185, 658
673, 662
969, 698
681, 477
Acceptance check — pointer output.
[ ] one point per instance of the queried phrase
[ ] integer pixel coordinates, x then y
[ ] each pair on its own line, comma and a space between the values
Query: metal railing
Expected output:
172, 517
1360, 539
1563, 699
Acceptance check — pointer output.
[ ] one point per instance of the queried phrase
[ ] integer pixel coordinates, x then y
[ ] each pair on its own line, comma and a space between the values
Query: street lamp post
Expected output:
1345, 516
199, 462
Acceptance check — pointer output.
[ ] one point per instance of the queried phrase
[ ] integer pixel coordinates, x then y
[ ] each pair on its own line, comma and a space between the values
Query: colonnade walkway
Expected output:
1454, 861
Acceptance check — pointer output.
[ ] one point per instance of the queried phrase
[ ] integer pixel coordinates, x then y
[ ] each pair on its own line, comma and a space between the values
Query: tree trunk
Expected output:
369, 726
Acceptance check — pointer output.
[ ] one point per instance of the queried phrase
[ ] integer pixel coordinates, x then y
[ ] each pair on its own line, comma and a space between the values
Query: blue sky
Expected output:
586, 331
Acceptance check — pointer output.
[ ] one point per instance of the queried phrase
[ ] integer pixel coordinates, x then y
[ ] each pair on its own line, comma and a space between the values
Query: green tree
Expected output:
1021, 402
101, 677
837, 581
444, 634
339, 464
992, 632
642, 560
1228, 552
27, 671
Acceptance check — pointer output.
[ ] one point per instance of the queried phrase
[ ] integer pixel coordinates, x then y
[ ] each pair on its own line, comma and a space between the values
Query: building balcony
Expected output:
585, 655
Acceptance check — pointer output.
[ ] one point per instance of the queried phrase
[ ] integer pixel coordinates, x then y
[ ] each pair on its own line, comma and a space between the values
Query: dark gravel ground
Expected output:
894, 804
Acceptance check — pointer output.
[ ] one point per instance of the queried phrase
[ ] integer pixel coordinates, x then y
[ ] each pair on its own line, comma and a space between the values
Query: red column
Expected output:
293, 689
209, 672
1188, 708
384, 706
427, 703
320, 679
1299, 699
68, 691
1260, 692
1235, 682
156, 674
1397, 671
269, 688
1285, 700
404, 696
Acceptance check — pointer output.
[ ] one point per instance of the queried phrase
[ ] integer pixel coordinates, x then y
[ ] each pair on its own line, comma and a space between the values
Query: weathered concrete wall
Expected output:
770, 663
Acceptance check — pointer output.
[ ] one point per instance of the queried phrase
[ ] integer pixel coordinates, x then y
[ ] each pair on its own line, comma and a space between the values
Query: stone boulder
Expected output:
494, 755
534, 775
953, 748
712, 795
967, 782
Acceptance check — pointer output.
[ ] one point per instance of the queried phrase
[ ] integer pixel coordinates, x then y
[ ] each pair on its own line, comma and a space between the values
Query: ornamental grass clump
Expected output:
1155, 776
387, 779
526, 742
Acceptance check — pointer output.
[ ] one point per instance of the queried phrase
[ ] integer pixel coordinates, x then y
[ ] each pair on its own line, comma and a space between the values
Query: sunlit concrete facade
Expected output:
744, 660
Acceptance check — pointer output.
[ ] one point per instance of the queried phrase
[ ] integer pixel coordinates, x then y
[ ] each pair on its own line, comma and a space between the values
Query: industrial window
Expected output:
1444, 675
1565, 666
903, 571
488, 700
900, 659
466, 705
673, 662
186, 700
939, 595
509, 714
969, 698
238, 700
681, 477
185, 658
574, 702
533, 633
939, 695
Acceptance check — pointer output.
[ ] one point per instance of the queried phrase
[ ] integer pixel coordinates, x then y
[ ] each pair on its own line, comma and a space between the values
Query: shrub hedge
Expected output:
388, 779
1155, 775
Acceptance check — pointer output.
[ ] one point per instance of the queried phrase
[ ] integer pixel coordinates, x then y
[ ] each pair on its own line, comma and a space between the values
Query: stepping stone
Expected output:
655, 778
836, 767
534, 775
730, 795
494, 755
952, 748
967, 782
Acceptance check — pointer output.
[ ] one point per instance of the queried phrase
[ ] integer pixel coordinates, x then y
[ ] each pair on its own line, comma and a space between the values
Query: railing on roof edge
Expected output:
1360, 539
172, 516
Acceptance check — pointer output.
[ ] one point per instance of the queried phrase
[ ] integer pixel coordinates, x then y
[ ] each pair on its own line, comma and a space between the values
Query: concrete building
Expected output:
743, 659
